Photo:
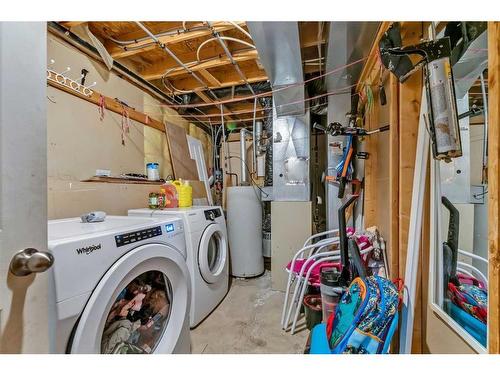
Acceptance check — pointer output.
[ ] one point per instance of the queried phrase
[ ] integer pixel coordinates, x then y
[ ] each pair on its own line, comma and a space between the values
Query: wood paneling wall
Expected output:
494, 186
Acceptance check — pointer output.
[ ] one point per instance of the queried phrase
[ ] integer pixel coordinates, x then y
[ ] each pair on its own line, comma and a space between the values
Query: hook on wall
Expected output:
63, 80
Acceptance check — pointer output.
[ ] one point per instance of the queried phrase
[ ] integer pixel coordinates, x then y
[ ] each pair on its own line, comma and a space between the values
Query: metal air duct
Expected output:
278, 44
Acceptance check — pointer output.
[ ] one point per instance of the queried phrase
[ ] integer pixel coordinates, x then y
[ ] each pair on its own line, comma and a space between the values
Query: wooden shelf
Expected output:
119, 180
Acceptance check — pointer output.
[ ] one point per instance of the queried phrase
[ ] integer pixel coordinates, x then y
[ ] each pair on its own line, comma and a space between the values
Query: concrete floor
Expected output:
247, 321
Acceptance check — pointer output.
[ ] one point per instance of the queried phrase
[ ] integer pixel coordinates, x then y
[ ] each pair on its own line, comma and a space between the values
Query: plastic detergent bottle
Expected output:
184, 192
331, 290
171, 196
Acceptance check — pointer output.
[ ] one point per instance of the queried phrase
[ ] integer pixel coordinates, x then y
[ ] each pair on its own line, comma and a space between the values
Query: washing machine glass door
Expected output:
212, 253
139, 306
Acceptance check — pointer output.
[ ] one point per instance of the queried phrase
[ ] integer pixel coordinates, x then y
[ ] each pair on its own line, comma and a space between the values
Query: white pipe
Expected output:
223, 38
241, 29
230, 57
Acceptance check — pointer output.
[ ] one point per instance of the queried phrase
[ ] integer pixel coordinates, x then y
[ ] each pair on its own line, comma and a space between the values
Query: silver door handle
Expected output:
28, 261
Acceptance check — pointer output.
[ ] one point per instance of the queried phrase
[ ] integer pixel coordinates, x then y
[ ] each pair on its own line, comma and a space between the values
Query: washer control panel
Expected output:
212, 214
143, 234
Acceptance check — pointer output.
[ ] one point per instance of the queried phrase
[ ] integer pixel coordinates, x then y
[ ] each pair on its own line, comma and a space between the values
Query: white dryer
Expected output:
121, 286
207, 254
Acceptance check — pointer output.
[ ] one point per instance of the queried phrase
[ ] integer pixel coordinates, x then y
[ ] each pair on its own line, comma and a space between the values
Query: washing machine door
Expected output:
140, 305
212, 253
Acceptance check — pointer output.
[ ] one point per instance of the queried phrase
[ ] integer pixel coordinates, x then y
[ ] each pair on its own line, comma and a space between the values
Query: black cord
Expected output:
250, 174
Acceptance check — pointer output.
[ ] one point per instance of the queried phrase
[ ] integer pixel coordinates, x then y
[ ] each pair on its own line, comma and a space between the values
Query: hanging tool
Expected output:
442, 117
350, 256
344, 168
335, 129
84, 76
450, 246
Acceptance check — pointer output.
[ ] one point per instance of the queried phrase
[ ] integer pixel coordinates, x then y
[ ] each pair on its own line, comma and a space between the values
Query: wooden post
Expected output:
494, 187
409, 110
394, 175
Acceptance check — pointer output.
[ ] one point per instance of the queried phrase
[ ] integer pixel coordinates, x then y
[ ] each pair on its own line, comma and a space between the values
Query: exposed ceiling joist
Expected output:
145, 45
188, 83
157, 70
210, 78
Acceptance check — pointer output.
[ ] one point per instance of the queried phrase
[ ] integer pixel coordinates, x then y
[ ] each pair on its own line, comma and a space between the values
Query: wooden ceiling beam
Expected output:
206, 99
190, 84
203, 96
145, 45
156, 71
209, 77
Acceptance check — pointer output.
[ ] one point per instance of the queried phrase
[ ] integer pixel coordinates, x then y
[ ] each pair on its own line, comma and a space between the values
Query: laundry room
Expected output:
224, 183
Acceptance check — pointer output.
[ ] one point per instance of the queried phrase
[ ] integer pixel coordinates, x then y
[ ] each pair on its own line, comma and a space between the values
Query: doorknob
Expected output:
28, 261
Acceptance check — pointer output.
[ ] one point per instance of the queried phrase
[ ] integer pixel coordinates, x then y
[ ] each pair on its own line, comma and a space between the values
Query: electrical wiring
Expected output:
236, 40
291, 112
241, 29
269, 93
331, 93
260, 95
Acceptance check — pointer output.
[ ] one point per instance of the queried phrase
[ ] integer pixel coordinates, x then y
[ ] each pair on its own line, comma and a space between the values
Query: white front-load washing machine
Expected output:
207, 254
120, 286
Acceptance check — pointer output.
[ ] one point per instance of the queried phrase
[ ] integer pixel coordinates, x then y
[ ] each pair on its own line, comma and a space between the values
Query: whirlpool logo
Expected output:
88, 250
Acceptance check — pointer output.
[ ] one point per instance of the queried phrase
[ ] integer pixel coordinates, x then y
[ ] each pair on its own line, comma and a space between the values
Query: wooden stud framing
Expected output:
394, 175
494, 187
409, 109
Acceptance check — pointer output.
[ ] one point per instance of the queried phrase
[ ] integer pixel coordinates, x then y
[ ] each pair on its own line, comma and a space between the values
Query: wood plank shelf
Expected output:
119, 180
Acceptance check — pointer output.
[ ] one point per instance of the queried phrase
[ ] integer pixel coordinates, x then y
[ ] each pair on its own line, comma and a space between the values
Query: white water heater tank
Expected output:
244, 230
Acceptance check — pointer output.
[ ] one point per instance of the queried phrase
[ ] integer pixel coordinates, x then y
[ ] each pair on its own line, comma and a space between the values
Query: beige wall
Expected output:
79, 143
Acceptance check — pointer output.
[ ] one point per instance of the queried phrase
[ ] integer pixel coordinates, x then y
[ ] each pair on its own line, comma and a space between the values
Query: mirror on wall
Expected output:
459, 210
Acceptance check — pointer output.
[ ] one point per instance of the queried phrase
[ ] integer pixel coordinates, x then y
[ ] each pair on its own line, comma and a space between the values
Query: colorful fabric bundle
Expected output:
470, 298
366, 317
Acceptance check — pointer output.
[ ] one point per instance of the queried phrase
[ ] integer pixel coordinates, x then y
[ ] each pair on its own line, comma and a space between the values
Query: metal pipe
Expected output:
243, 157
230, 56
177, 60
254, 137
172, 55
